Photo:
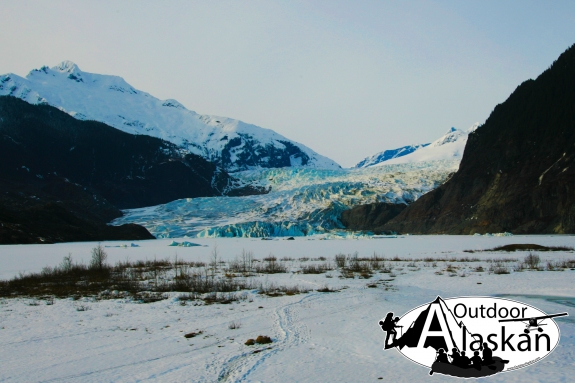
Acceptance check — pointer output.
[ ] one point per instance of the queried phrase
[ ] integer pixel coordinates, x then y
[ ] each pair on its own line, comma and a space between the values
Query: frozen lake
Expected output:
317, 336
25, 258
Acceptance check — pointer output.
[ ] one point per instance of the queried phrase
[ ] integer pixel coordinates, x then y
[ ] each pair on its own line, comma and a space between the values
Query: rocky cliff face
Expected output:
517, 173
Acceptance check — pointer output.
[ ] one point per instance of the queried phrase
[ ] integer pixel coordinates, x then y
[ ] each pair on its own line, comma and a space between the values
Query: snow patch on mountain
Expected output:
232, 144
300, 202
450, 146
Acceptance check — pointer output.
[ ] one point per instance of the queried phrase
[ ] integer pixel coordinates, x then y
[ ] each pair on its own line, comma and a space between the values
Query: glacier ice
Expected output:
183, 244
301, 202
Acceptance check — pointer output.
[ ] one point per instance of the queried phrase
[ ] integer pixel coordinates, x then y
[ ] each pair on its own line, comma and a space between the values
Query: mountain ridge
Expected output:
231, 144
128, 170
448, 146
388, 155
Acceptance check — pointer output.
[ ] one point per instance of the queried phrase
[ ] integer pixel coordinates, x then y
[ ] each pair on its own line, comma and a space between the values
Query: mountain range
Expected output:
88, 145
77, 146
230, 144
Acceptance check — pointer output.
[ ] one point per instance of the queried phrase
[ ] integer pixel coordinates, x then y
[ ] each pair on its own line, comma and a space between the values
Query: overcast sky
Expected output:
346, 78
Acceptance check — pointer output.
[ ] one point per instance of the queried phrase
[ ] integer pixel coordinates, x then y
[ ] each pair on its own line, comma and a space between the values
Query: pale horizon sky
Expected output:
347, 79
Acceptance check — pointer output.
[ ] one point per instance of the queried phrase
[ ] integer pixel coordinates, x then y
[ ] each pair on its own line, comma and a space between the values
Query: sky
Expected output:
345, 78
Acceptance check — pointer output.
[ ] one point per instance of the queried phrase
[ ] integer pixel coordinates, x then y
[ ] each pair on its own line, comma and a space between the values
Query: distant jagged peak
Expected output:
67, 66
454, 134
70, 70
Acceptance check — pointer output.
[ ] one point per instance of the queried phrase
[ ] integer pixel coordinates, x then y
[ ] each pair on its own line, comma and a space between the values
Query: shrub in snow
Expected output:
99, 257
234, 325
532, 260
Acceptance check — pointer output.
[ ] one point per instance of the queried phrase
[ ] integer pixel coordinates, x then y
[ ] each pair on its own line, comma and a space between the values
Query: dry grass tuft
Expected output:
192, 334
263, 339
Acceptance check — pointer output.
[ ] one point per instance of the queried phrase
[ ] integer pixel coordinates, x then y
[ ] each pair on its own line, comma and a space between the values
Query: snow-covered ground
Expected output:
300, 201
317, 337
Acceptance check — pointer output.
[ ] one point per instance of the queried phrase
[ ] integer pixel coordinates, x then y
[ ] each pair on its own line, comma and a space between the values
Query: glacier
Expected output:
231, 144
300, 202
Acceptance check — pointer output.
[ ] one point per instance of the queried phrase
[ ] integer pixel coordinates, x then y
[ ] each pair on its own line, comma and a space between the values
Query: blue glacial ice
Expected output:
301, 201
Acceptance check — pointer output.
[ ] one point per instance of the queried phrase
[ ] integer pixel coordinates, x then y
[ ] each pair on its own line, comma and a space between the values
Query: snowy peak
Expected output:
448, 146
451, 136
388, 155
454, 135
58, 75
232, 144
67, 67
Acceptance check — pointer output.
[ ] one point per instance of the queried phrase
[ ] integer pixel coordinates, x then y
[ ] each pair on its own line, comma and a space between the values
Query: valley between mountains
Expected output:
78, 147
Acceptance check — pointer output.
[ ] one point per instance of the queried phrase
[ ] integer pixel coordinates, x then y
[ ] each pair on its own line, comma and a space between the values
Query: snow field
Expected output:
317, 336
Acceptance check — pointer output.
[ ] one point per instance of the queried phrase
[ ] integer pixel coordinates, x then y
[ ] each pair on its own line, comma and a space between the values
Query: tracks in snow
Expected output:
290, 333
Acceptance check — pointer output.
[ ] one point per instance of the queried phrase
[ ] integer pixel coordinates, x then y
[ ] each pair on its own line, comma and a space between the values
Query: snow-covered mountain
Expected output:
232, 144
449, 146
387, 155
300, 201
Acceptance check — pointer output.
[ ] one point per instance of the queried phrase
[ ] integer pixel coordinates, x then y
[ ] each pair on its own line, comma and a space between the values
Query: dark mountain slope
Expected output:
517, 173
52, 210
128, 170
370, 217
63, 179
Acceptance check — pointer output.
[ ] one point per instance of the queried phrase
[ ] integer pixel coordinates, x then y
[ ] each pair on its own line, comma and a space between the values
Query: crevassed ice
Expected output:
301, 201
